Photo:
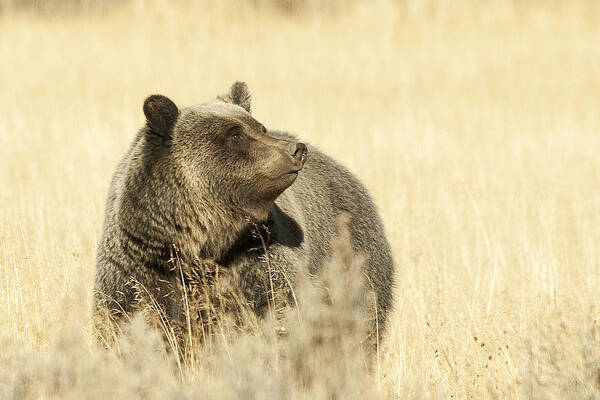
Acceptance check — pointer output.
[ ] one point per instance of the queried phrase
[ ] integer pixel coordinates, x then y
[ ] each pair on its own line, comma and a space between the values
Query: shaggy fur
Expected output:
209, 182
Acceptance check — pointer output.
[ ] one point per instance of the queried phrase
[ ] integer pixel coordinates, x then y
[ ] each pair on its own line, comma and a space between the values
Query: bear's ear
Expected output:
161, 114
238, 94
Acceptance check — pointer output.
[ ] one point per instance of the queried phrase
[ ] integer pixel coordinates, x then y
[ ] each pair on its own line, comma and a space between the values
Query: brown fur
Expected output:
206, 194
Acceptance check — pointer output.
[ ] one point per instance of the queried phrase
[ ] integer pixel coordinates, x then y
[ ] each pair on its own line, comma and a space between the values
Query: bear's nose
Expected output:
301, 150
298, 151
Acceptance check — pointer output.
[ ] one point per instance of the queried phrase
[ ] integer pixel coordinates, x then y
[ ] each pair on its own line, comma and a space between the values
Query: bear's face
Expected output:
225, 153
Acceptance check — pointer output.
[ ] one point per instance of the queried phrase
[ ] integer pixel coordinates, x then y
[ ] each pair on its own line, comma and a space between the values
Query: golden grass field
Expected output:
474, 124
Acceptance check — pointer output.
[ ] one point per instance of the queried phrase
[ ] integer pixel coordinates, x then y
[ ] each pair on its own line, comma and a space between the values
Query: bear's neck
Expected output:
166, 209
213, 229
167, 220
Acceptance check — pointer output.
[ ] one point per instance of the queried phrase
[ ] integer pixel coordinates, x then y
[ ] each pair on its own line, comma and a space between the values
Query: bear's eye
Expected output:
264, 130
235, 133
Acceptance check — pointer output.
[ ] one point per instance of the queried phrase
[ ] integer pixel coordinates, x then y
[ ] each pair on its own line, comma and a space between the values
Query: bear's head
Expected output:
222, 153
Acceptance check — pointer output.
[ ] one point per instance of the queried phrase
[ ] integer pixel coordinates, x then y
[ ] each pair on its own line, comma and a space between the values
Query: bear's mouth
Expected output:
294, 170
291, 173
297, 162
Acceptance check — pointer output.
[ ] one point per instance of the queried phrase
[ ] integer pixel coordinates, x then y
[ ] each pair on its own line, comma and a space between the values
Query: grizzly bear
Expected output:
210, 185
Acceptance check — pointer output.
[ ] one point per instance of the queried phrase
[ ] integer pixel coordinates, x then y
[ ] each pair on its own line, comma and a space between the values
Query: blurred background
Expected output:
474, 124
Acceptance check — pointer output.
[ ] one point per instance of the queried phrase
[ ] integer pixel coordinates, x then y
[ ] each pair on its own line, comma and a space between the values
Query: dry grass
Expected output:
474, 124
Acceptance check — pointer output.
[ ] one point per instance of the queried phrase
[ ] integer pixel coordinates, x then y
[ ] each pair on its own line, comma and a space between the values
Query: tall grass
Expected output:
474, 125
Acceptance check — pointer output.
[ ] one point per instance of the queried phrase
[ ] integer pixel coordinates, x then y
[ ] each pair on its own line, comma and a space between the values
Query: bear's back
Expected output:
323, 191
